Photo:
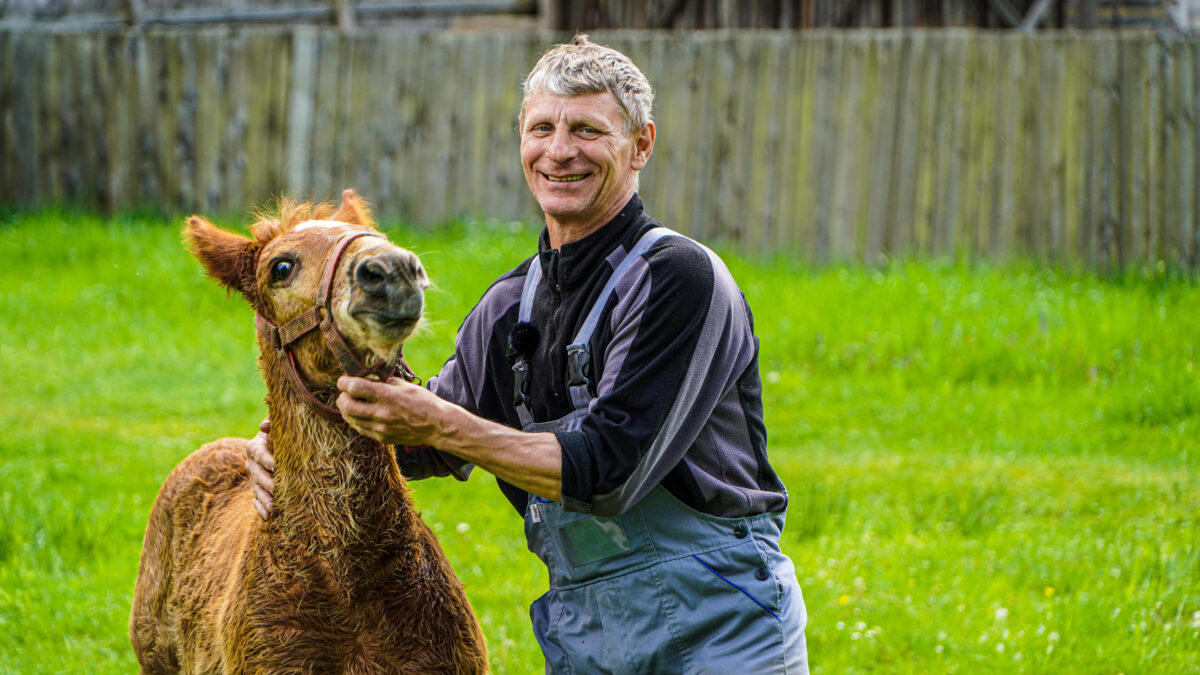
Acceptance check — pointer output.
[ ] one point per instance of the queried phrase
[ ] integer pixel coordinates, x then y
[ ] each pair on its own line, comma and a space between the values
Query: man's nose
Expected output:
562, 145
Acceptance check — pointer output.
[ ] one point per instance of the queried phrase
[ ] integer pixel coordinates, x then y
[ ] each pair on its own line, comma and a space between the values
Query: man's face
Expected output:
579, 163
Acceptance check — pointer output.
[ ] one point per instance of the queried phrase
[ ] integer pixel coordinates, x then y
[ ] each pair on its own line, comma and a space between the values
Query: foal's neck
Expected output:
337, 494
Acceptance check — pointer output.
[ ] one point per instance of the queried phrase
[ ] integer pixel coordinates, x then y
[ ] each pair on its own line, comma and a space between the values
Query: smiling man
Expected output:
611, 383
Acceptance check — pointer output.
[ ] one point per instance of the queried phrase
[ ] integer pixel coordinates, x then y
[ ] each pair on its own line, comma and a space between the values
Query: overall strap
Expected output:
521, 368
579, 352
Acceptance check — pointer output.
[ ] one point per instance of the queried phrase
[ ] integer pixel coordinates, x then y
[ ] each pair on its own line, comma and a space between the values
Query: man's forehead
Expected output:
592, 104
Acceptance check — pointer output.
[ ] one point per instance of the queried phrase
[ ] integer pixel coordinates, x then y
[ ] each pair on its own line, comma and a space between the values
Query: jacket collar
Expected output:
578, 260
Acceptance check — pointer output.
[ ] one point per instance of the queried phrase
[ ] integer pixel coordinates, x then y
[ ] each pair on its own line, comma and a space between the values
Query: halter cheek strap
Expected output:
321, 316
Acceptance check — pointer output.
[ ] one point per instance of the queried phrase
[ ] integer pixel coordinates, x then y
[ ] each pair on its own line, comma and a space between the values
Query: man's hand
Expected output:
394, 412
261, 465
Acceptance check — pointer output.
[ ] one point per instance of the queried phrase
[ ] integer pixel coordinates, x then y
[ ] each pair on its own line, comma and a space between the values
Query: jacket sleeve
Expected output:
679, 338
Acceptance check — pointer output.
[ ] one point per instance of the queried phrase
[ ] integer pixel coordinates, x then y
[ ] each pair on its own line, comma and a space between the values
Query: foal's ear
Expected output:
229, 258
353, 210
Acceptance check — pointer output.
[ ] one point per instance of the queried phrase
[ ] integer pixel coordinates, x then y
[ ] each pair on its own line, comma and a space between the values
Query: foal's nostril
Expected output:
372, 276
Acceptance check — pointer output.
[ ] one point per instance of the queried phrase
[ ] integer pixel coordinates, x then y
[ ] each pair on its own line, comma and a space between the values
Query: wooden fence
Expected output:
1077, 149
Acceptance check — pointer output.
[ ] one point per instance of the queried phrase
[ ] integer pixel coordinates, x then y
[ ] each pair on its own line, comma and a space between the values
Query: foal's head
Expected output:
375, 290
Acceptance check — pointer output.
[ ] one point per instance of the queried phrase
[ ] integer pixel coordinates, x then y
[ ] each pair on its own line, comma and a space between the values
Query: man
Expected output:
611, 384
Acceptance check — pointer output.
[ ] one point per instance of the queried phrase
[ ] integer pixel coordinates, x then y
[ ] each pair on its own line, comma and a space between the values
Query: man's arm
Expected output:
401, 413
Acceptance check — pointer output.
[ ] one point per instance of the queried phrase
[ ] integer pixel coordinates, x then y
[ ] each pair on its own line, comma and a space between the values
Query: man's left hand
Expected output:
394, 412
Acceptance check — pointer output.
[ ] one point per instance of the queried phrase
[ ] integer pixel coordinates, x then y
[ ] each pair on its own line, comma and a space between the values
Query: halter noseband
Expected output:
321, 316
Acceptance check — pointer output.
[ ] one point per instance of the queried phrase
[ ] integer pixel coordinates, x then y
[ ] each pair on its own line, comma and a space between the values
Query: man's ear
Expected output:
643, 146
228, 257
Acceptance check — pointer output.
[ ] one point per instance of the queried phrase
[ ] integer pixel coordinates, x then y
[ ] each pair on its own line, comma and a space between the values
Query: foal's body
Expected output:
344, 577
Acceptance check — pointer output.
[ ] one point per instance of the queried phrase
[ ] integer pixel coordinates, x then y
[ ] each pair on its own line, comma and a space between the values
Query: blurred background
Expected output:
1062, 130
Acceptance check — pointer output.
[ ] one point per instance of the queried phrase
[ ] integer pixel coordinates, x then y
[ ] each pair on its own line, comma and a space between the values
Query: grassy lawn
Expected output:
991, 469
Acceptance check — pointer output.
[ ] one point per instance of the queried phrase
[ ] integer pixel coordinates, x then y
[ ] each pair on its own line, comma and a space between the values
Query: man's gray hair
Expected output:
584, 67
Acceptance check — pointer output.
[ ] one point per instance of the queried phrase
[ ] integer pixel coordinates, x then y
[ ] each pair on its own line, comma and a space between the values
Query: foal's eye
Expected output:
282, 269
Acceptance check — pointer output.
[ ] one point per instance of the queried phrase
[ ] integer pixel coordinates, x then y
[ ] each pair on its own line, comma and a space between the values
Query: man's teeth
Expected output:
567, 179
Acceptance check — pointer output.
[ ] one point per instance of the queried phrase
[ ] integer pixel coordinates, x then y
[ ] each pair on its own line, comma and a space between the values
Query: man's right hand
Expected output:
261, 465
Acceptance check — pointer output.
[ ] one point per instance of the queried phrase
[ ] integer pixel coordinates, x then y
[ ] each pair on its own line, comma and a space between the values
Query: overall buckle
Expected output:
579, 360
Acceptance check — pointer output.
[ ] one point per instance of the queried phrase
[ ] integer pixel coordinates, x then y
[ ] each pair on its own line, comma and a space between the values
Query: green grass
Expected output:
991, 469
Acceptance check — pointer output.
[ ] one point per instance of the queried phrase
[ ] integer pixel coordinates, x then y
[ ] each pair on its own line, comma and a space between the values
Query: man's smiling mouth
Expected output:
566, 179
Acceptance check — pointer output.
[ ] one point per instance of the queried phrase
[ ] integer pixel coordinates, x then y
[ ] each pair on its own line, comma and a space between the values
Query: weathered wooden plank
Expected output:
761, 126
951, 150
845, 97
1187, 89
430, 202
205, 188
1105, 143
170, 124
976, 205
788, 219
301, 94
708, 166
902, 187
30, 53
657, 178
1012, 73
1051, 133
928, 138
1130, 164
361, 109
876, 134
8, 59
49, 130
733, 139
1073, 103
1153, 135
802, 204
255, 92
326, 125
233, 142
68, 114
1032, 229
402, 126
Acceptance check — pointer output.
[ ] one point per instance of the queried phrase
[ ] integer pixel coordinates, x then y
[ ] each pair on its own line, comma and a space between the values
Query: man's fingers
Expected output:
259, 476
359, 388
265, 427
262, 498
262, 510
259, 450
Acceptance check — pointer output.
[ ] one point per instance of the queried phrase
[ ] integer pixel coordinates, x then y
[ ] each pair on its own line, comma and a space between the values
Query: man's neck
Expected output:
566, 231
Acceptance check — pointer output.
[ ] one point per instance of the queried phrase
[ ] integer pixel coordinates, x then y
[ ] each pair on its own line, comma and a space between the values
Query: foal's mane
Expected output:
289, 213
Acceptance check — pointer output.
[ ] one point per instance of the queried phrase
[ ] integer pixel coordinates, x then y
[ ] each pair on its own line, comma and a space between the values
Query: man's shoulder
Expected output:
678, 254
502, 295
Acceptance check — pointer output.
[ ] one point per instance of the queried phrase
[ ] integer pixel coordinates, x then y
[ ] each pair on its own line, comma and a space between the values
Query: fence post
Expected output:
133, 12
343, 13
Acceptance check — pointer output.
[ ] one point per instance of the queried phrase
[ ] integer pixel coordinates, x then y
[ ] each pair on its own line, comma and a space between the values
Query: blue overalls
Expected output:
662, 588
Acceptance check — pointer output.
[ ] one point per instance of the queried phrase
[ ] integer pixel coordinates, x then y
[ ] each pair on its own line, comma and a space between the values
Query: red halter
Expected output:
321, 316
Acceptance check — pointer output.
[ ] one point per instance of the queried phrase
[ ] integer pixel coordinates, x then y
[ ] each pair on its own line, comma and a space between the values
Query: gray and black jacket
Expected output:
677, 399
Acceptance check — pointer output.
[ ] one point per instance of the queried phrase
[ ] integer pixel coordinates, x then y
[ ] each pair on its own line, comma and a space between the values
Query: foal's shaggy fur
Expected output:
344, 577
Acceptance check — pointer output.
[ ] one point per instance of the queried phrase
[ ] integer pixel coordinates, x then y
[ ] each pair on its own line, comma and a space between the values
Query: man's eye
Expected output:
282, 269
540, 129
589, 132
